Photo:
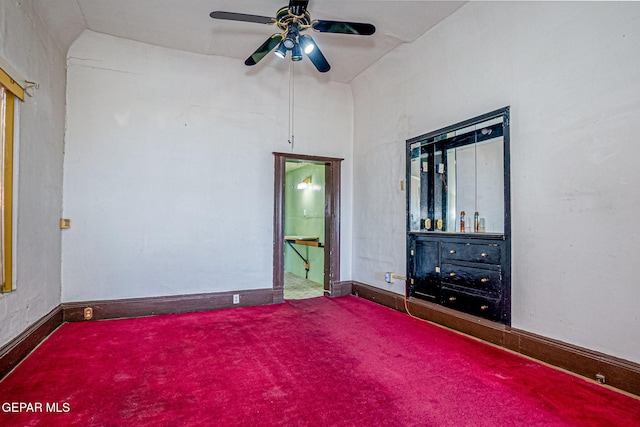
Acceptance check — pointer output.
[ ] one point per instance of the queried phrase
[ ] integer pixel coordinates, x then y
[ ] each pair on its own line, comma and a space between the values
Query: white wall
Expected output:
169, 168
25, 43
570, 73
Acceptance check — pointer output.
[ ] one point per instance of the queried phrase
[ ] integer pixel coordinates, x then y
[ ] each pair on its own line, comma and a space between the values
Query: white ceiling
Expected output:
186, 25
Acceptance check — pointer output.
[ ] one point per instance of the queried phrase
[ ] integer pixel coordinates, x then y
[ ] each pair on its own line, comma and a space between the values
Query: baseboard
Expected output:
341, 289
149, 306
618, 373
17, 349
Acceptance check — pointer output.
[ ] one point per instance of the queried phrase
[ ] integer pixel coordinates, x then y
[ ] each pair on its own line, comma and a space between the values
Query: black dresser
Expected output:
461, 272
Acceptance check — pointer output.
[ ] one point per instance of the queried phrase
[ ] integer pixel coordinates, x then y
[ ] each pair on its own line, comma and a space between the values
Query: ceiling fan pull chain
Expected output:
291, 105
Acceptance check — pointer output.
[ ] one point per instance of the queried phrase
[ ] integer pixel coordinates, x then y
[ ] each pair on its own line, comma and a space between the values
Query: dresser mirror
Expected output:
457, 178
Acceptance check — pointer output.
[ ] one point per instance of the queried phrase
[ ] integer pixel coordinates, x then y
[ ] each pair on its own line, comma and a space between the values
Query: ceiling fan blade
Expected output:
298, 7
316, 56
358, 28
232, 16
265, 48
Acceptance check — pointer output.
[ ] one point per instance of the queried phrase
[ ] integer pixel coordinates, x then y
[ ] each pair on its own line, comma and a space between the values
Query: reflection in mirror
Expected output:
457, 180
414, 185
476, 184
418, 166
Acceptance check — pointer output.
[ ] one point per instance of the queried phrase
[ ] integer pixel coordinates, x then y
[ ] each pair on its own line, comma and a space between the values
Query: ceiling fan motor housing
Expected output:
298, 7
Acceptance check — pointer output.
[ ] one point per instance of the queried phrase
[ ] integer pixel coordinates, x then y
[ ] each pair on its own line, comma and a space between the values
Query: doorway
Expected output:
307, 248
304, 222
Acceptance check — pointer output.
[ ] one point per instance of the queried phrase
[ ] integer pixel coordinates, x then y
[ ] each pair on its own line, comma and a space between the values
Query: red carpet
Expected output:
318, 362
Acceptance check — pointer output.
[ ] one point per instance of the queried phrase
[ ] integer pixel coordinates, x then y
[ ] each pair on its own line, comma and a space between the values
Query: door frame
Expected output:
331, 222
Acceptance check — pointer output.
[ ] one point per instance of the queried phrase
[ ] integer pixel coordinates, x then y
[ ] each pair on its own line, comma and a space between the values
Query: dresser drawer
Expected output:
479, 279
488, 253
488, 308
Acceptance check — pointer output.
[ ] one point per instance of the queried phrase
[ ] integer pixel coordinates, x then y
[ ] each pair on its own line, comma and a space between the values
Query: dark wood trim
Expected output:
279, 183
308, 158
618, 373
332, 226
139, 307
341, 289
17, 349
332, 221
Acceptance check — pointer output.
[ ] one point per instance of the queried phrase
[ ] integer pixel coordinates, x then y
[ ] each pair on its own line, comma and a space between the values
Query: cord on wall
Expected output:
389, 278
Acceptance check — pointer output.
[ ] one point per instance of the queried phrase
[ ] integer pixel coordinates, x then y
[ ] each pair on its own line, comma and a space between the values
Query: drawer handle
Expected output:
452, 251
452, 299
484, 280
452, 274
484, 307
484, 254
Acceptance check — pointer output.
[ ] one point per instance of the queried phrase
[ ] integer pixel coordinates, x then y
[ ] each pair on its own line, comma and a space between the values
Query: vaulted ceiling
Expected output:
186, 25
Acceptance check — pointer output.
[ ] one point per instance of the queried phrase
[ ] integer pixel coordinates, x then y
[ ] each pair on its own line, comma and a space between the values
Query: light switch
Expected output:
65, 223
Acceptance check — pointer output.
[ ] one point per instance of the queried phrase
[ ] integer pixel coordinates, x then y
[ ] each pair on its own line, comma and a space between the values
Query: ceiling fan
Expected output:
292, 20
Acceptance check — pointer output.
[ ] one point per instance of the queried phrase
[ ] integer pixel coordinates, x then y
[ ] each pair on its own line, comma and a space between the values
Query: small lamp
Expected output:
305, 183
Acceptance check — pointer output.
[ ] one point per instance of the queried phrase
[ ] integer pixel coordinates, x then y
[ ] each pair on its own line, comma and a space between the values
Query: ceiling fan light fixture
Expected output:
296, 53
281, 51
307, 45
289, 42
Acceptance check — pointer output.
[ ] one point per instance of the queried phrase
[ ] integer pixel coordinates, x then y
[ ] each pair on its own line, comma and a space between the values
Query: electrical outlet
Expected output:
87, 313
601, 378
236, 298
388, 277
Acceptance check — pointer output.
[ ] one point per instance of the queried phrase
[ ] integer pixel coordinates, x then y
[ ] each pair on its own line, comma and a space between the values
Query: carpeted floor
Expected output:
314, 362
